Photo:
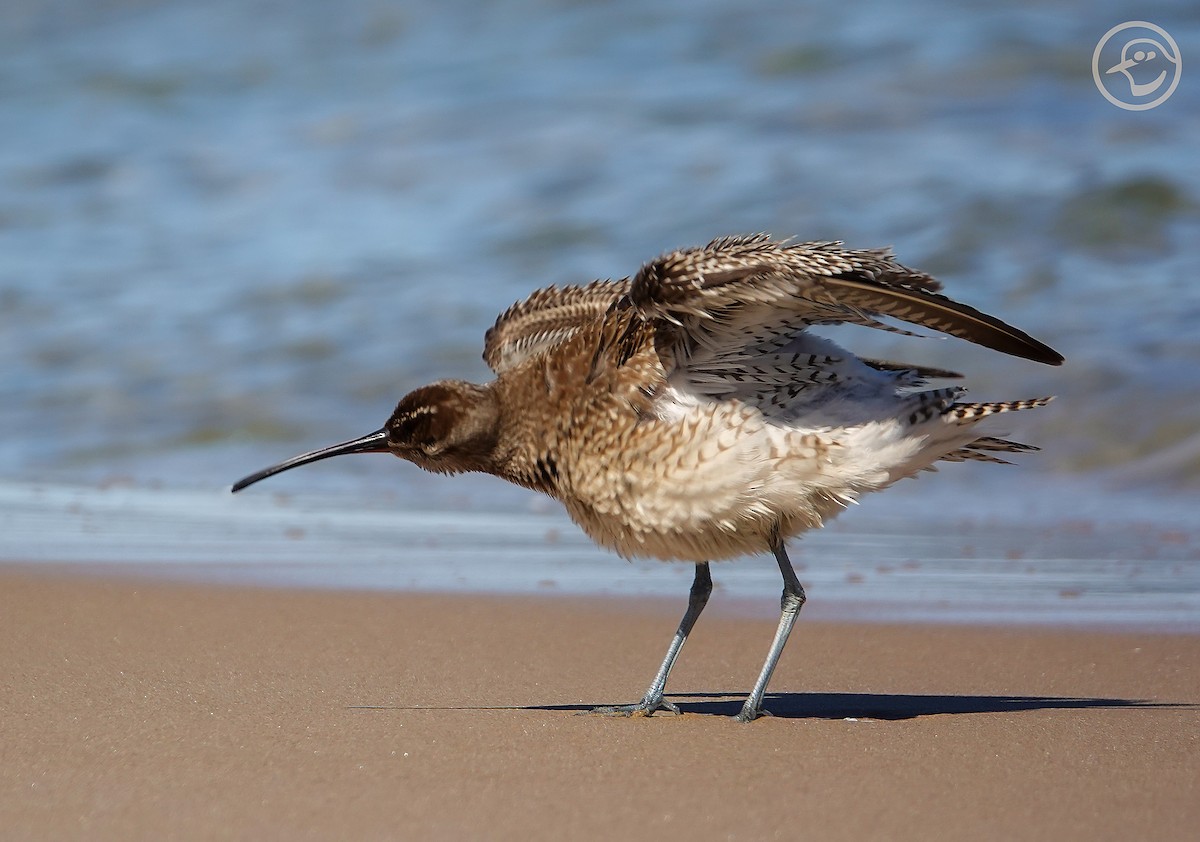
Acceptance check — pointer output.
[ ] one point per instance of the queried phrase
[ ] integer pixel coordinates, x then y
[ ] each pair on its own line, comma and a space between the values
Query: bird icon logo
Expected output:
1131, 58
1149, 61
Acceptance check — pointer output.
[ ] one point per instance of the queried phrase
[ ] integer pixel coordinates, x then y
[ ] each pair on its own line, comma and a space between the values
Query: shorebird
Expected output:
688, 414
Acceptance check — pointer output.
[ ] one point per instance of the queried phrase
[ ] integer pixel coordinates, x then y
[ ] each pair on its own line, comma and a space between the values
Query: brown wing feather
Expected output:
546, 318
943, 314
819, 283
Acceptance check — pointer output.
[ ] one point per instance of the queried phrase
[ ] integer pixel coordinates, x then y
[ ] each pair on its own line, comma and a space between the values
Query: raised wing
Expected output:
753, 288
545, 319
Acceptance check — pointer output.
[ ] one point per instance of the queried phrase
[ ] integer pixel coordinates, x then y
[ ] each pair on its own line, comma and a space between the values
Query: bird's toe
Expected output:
646, 707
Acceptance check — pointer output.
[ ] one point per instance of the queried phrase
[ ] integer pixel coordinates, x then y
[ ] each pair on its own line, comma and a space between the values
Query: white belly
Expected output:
713, 480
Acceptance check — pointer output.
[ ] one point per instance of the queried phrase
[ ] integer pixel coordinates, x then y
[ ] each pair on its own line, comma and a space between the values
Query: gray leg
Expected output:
653, 700
790, 604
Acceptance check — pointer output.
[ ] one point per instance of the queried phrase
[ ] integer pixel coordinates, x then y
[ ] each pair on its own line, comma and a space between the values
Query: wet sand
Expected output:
135, 710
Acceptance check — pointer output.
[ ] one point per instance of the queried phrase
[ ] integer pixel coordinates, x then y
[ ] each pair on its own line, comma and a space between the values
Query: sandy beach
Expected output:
138, 710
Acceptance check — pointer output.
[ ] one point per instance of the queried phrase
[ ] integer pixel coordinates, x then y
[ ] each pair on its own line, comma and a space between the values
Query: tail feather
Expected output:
911, 376
947, 422
968, 413
1002, 445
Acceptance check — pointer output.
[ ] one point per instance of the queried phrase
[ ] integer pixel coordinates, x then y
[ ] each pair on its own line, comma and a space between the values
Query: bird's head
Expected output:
446, 427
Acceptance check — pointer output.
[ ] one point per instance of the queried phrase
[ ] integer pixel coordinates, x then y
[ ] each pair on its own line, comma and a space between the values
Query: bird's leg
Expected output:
653, 700
790, 604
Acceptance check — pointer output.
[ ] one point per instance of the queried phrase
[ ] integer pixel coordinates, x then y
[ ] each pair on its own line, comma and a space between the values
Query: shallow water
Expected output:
232, 231
1138, 568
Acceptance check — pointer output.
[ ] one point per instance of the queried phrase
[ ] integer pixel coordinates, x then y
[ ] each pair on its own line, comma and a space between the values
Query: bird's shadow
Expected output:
886, 706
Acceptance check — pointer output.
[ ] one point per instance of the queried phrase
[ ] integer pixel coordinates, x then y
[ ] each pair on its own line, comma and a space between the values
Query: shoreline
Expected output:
933, 613
895, 563
152, 709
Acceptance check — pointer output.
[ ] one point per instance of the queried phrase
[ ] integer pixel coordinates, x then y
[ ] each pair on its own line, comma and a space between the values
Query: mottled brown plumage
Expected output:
687, 414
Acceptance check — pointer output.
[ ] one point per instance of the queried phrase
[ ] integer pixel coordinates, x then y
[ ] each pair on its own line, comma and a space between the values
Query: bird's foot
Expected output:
646, 707
749, 714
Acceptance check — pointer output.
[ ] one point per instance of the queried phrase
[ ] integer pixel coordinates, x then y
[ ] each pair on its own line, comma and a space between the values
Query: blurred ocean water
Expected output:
230, 231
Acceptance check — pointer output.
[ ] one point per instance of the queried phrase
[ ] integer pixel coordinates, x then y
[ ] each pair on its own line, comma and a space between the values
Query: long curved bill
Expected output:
375, 442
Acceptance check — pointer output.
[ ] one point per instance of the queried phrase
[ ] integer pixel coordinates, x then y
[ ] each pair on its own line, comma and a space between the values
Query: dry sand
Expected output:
131, 710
